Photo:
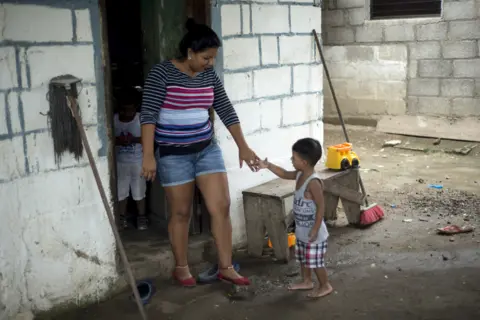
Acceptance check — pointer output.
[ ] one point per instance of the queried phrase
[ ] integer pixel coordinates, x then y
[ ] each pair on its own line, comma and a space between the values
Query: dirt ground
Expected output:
398, 269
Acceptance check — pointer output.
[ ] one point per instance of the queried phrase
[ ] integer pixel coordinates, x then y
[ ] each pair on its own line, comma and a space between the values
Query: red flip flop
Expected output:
454, 229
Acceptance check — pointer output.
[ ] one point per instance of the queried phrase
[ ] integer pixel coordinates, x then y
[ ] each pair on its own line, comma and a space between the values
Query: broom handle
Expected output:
74, 109
340, 117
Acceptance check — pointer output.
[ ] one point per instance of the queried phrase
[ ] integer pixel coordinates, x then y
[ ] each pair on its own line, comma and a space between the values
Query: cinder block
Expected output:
297, 49
12, 158
335, 53
396, 90
231, 19
356, 16
477, 88
334, 18
402, 32
340, 87
246, 19
36, 107
8, 68
392, 53
301, 108
308, 78
270, 113
305, 18
40, 152
84, 27
340, 35
466, 107
412, 68
37, 23
423, 87
270, 18
458, 10
458, 87
272, 82
434, 68
360, 53
466, 68
269, 50
434, 106
49, 62
249, 115
361, 89
425, 50
3, 114
459, 49
365, 70
241, 53
87, 100
350, 3
239, 86
432, 31
13, 103
369, 33
464, 30
368, 107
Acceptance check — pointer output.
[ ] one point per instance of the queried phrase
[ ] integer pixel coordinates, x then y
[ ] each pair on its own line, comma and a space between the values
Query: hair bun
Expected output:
190, 24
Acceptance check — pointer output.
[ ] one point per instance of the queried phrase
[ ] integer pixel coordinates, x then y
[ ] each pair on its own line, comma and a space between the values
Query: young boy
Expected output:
308, 207
129, 158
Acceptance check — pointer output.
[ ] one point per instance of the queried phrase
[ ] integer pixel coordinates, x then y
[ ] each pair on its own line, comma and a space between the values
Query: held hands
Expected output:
246, 154
262, 164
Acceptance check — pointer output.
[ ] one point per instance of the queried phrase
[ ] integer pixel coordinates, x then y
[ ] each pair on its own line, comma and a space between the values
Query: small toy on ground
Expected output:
341, 157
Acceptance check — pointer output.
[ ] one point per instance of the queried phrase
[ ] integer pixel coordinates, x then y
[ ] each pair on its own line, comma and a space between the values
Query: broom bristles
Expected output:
371, 215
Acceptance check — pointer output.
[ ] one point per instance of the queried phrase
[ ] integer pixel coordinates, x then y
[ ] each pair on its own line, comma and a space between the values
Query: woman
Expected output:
175, 118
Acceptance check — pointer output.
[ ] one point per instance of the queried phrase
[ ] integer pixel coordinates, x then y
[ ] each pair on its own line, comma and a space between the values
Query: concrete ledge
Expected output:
465, 129
352, 120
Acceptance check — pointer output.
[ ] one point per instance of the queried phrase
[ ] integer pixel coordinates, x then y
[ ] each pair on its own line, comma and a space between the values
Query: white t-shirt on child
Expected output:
133, 152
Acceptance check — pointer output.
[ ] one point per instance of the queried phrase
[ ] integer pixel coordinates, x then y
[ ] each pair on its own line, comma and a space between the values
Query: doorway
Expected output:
139, 35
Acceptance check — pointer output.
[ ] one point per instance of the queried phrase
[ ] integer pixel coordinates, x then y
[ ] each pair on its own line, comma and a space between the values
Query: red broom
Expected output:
368, 214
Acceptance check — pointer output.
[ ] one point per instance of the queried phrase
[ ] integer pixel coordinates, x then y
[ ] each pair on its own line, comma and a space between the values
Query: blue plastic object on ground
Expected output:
435, 186
210, 275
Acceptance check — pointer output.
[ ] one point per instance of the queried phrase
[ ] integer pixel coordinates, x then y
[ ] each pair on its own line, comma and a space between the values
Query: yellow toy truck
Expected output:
341, 157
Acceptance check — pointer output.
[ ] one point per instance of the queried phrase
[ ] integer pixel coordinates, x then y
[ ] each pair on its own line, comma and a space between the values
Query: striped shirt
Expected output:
178, 106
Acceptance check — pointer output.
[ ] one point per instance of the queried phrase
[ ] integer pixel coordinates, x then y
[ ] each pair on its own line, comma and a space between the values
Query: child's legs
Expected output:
123, 187
138, 187
317, 263
306, 283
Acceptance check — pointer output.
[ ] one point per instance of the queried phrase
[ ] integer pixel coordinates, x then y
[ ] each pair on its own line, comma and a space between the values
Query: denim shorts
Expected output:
174, 170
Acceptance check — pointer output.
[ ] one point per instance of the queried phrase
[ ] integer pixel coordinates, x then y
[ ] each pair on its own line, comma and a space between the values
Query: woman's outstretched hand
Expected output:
246, 154
149, 168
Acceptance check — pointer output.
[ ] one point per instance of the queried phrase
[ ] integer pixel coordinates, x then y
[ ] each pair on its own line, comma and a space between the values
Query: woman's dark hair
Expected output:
199, 37
309, 150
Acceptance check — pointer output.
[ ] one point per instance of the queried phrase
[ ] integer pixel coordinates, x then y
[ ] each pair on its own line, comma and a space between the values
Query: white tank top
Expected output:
305, 211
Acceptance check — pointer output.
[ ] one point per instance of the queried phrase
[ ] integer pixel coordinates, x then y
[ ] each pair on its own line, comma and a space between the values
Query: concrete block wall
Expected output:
442, 55
272, 74
56, 246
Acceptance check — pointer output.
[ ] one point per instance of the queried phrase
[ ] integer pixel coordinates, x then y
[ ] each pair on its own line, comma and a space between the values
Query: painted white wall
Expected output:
56, 246
273, 76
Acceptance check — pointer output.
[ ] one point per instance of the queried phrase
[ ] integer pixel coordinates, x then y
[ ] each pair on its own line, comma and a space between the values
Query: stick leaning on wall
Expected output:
73, 106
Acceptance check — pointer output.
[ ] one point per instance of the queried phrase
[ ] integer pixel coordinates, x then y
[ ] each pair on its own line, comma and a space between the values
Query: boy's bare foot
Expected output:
321, 292
301, 286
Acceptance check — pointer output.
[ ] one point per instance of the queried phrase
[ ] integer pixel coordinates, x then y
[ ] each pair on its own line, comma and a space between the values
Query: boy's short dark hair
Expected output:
309, 150
128, 97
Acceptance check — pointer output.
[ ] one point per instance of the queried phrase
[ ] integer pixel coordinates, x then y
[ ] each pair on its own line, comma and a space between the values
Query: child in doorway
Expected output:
308, 207
129, 158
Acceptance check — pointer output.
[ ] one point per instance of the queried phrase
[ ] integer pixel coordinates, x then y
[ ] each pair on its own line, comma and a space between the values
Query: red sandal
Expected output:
242, 281
188, 282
